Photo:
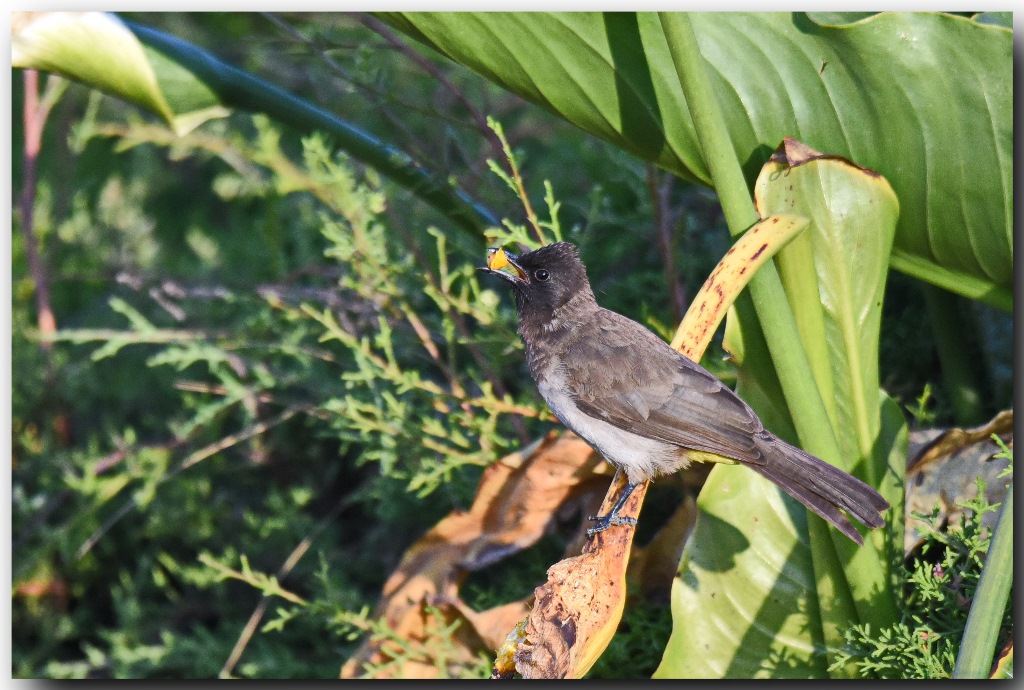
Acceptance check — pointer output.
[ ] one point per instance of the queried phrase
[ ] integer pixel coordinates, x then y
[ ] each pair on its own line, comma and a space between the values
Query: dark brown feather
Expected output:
685, 404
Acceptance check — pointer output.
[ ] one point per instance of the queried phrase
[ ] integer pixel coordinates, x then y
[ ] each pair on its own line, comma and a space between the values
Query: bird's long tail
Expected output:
825, 489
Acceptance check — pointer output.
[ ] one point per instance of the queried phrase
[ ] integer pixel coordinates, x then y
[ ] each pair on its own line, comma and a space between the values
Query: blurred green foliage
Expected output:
261, 343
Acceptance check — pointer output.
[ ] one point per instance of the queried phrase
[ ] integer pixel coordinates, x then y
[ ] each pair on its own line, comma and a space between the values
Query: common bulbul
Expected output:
646, 408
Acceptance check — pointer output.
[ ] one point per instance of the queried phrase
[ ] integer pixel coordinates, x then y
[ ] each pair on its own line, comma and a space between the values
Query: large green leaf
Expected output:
925, 99
744, 604
98, 49
834, 276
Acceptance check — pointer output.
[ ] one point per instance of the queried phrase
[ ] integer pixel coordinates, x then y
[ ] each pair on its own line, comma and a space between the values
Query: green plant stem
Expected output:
982, 631
959, 377
240, 89
834, 596
873, 600
766, 289
964, 284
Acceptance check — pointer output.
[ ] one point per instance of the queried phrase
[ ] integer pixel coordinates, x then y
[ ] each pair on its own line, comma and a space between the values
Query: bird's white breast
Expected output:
640, 457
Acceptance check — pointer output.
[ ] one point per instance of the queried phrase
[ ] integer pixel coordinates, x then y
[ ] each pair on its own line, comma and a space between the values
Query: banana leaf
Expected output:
925, 99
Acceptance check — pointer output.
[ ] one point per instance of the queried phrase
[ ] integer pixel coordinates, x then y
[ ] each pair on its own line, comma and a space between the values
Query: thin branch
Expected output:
506, 150
286, 568
36, 112
479, 120
250, 578
664, 220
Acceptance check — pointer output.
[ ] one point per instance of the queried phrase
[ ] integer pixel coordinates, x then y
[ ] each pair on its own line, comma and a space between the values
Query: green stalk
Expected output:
873, 600
836, 606
960, 377
240, 89
766, 289
982, 631
960, 283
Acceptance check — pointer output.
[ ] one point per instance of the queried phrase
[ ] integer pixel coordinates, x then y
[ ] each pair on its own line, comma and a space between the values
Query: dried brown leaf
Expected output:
952, 440
577, 611
516, 500
943, 466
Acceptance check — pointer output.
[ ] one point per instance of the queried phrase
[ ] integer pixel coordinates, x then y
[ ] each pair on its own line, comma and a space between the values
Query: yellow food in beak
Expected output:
496, 259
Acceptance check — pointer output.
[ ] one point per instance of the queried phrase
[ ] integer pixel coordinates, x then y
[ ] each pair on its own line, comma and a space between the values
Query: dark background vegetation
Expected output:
107, 534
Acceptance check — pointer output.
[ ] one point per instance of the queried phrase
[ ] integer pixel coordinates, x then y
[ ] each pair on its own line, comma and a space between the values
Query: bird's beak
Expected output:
498, 259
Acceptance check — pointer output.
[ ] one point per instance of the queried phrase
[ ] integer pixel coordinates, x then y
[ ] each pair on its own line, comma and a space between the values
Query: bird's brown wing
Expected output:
659, 394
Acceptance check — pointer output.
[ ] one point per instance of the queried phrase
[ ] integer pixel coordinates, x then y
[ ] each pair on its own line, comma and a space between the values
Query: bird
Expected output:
646, 408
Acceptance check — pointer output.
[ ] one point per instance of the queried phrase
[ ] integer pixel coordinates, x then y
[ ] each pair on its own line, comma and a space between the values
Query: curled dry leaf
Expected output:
577, 611
942, 467
516, 500
951, 440
756, 246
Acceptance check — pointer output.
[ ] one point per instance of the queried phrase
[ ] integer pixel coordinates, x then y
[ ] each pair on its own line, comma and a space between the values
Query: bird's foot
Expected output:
606, 521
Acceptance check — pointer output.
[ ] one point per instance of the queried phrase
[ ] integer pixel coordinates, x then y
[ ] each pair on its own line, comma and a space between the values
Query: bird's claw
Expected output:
606, 521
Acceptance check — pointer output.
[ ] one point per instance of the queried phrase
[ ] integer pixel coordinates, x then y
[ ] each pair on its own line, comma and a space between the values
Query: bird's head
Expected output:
543, 280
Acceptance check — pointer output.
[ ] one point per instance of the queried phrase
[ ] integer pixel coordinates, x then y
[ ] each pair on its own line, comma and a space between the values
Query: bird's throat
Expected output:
538, 318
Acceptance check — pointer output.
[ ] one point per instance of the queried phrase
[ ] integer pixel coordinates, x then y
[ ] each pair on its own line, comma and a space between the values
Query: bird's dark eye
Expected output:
541, 274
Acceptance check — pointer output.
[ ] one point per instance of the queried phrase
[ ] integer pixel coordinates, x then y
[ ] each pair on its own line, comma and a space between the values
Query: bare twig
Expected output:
286, 568
36, 111
664, 220
479, 120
